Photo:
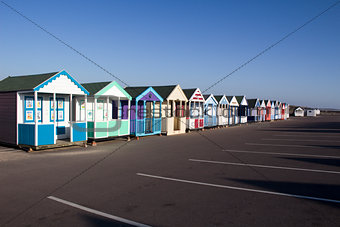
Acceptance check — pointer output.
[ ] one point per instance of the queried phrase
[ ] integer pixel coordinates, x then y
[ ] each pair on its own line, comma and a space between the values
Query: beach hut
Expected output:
195, 109
283, 109
263, 110
173, 109
311, 113
272, 114
222, 110
254, 110
243, 108
210, 111
277, 110
268, 110
299, 112
107, 110
287, 110
233, 110
42, 111
145, 111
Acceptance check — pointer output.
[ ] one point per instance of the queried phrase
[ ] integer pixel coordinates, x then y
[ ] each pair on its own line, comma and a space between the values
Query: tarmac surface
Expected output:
282, 173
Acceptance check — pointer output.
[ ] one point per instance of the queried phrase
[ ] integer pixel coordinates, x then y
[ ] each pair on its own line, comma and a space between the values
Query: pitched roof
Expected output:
218, 97
229, 98
239, 98
251, 103
93, 88
189, 92
135, 91
22, 83
206, 96
164, 91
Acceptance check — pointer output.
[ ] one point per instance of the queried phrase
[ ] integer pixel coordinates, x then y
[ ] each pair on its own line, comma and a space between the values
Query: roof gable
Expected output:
232, 101
172, 92
210, 99
221, 99
194, 94
61, 83
109, 89
253, 103
241, 99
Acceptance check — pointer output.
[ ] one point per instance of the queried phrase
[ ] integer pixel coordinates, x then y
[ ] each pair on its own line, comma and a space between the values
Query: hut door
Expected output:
177, 118
149, 117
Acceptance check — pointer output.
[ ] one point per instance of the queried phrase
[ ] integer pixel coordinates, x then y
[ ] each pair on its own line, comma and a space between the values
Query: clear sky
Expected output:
191, 43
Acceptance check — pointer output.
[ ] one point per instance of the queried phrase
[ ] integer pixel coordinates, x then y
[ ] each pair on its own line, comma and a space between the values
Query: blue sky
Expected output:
191, 43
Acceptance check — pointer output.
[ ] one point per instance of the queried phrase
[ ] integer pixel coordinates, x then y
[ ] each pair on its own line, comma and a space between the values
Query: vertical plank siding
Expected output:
8, 117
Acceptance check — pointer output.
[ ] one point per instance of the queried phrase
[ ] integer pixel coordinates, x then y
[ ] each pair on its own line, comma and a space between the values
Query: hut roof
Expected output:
93, 88
22, 83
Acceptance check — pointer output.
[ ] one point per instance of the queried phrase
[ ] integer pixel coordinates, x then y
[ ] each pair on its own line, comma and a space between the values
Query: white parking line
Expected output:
97, 212
266, 166
303, 140
279, 145
239, 188
309, 136
284, 154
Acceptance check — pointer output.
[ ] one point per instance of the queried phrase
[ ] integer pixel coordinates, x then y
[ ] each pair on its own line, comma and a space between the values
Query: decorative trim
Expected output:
147, 91
63, 72
111, 85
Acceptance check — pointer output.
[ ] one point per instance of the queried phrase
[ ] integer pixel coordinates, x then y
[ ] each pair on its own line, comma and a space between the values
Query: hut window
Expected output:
114, 109
125, 109
157, 110
29, 109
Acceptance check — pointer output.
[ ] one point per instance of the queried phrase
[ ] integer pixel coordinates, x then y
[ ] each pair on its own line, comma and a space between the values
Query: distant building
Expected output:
311, 113
317, 111
299, 112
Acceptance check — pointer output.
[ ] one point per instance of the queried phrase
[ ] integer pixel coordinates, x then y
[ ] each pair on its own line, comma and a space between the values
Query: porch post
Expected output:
144, 115
119, 118
94, 116
129, 109
35, 118
54, 118
153, 117
85, 103
70, 118
107, 115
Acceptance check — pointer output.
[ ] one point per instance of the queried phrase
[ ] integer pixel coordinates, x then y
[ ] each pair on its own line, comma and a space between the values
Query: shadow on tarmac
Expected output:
326, 191
322, 161
94, 220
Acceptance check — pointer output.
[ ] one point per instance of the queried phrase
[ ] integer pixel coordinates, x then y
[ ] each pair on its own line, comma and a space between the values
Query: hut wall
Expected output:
8, 119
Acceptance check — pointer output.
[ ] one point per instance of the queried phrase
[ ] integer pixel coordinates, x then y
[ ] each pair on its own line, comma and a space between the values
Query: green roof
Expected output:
218, 97
23, 83
189, 92
239, 98
93, 88
164, 91
251, 102
135, 91
229, 98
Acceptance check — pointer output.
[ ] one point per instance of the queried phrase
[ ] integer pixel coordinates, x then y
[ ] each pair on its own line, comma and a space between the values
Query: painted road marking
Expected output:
279, 145
287, 154
80, 207
303, 140
309, 136
239, 188
266, 166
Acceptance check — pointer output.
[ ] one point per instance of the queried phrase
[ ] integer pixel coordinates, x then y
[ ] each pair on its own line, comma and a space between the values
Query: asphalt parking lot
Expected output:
283, 173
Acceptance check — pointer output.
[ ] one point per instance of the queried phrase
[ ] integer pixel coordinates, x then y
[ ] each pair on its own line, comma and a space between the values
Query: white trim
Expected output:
284, 154
265, 166
36, 118
96, 212
17, 120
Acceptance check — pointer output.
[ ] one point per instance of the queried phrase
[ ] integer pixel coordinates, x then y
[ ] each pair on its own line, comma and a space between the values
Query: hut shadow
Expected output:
96, 221
327, 191
321, 161
301, 130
